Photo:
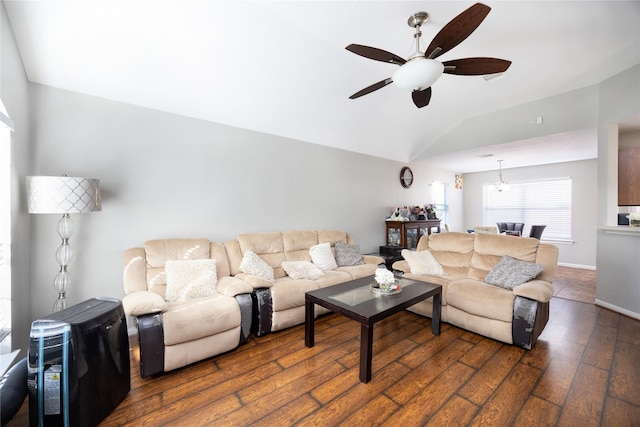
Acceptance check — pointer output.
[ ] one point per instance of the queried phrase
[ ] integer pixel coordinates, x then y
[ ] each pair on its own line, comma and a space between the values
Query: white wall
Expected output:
164, 175
618, 257
582, 253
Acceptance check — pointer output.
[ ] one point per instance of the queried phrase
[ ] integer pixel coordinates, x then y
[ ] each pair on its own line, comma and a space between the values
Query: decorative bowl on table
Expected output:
392, 290
385, 283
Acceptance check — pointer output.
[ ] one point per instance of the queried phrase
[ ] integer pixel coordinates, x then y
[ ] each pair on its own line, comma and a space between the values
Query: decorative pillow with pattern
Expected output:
422, 262
322, 256
511, 272
252, 264
188, 279
348, 255
302, 270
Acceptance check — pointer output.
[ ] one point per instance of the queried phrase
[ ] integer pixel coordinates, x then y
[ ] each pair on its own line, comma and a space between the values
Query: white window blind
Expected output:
440, 196
545, 202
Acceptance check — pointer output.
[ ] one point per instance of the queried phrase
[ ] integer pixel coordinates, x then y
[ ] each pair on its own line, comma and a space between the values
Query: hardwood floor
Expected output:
583, 371
575, 284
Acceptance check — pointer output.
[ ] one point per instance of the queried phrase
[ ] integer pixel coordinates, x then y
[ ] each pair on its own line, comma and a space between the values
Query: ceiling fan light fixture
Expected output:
418, 73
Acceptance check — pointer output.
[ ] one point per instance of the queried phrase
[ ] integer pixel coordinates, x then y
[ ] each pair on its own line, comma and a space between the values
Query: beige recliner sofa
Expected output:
280, 304
515, 316
175, 334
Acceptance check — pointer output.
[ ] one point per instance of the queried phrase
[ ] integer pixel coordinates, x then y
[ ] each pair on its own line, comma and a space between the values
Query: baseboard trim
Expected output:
617, 309
584, 267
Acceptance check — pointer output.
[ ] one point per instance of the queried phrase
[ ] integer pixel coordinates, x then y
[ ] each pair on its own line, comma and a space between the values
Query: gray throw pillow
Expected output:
511, 272
348, 255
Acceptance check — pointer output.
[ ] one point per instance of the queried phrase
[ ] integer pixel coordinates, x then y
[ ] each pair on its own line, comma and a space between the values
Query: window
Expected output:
441, 201
546, 202
5, 231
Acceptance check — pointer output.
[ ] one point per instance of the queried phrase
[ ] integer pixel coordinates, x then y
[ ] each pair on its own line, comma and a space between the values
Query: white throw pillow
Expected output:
422, 262
252, 264
302, 270
322, 256
187, 279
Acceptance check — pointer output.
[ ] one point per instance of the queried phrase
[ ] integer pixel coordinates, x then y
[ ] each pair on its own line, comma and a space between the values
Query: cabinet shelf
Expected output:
406, 234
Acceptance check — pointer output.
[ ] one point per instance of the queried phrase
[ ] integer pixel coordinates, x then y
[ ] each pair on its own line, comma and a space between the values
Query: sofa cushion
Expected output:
479, 299
198, 318
268, 245
333, 236
253, 265
187, 279
348, 254
302, 270
289, 293
322, 256
422, 262
296, 244
453, 251
158, 252
489, 249
510, 272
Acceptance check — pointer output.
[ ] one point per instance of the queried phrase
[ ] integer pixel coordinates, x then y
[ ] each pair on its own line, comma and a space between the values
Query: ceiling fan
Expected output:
421, 69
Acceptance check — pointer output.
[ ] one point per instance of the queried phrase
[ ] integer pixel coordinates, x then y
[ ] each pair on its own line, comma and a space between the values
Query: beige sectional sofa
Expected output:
512, 316
177, 333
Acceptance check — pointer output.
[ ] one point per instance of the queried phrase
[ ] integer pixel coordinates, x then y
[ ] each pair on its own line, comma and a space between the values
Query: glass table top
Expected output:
363, 293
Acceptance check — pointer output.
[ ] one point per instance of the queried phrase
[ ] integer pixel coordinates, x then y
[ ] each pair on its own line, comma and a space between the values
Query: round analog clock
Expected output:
406, 177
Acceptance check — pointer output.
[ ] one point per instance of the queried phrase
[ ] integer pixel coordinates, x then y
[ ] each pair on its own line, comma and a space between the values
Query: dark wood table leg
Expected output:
366, 351
309, 327
435, 316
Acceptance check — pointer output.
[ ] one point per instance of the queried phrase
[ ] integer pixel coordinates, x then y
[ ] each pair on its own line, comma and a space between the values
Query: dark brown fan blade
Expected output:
476, 66
458, 29
421, 97
371, 88
375, 53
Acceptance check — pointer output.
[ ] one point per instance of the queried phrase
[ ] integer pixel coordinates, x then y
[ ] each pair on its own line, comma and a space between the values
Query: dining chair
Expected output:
536, 231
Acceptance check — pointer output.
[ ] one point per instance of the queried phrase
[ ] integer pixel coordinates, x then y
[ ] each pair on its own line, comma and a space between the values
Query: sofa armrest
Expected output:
539, 290
232, 286
143, 302
401, 265
254, 281
134, 266
372, 259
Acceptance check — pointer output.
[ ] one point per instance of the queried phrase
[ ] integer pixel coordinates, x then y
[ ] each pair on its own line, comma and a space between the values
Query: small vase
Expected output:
634, 222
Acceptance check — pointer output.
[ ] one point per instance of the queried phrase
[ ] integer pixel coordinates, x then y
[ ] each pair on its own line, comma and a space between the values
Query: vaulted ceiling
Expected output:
280, 67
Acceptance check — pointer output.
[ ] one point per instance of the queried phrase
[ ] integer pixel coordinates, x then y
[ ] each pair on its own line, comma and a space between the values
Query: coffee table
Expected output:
355, 300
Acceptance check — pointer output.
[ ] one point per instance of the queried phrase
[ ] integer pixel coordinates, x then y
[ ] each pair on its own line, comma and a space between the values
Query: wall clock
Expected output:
406, 177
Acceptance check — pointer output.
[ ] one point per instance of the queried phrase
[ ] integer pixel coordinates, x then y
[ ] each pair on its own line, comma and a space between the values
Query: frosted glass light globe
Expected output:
418, 73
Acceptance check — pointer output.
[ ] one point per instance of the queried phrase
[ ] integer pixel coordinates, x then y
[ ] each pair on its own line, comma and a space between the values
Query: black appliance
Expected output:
78, 364
622, 219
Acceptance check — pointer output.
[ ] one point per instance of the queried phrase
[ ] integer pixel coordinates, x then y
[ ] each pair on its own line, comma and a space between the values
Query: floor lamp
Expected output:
63, 195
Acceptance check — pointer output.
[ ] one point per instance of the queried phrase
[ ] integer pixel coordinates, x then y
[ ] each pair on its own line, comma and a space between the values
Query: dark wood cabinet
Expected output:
629, 177
406, 234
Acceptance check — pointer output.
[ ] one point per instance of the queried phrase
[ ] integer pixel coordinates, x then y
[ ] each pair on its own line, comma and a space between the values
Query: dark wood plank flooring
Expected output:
583, 371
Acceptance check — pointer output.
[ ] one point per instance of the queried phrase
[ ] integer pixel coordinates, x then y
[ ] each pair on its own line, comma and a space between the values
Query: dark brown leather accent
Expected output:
262, 312
151, 340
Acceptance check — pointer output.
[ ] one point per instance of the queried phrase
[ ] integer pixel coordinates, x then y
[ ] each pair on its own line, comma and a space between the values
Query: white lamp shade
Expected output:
63, 194
418, 73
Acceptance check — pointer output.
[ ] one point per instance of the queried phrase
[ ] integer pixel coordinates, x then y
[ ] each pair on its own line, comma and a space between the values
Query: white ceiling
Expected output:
280, 67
